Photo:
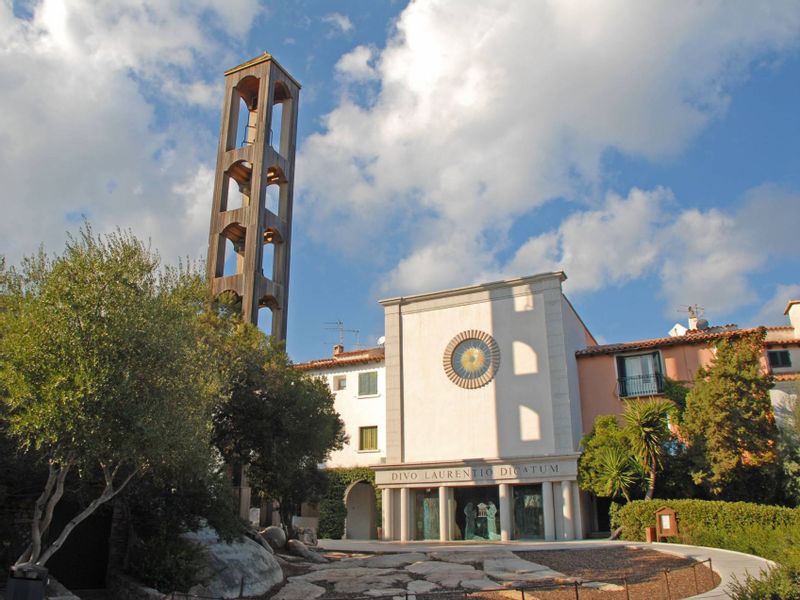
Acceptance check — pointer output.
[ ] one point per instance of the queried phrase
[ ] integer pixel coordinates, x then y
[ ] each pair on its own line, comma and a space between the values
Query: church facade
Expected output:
482, 419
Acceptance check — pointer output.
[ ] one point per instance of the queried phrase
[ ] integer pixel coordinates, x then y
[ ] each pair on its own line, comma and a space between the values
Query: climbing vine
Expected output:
332, 511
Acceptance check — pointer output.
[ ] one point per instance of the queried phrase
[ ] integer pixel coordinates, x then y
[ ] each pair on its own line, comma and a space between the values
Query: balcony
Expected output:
640, 385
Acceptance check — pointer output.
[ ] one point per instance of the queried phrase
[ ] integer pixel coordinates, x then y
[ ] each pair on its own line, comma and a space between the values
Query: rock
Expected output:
355, 580
240, 568
307, 535
603, 586
516, 569
260, 540
275, 536
56, 591
479, 584
299, 590
393, 561
386, 592
298, 548
450, 575
471, 557
420, 586
122, 587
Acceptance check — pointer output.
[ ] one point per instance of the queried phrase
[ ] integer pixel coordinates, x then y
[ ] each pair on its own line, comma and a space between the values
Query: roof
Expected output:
265, 57
786, 376
344, 359
693, 337
789, 306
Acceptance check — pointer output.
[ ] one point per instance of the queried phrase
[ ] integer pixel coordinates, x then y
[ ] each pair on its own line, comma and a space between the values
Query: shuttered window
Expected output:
368, 438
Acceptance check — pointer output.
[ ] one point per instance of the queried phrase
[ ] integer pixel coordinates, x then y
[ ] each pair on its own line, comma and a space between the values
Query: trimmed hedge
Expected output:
332, 511
702, 515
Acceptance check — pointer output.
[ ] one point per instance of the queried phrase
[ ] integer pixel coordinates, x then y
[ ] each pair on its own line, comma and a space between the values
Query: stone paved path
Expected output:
394, 575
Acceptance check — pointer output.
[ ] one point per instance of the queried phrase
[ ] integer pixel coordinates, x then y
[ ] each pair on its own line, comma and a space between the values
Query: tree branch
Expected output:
32, 552
108, 493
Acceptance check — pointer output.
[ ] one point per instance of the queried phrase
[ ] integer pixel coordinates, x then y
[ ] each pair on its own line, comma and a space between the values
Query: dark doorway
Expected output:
478, 512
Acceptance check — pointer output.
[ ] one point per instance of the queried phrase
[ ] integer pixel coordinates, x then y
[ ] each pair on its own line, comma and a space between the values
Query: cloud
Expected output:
483, 113
700, 257
93, 117
771, 313
339, 23
356, 64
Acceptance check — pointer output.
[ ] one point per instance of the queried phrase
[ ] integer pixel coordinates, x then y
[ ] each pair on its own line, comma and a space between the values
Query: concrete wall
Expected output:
531, 406
358, 411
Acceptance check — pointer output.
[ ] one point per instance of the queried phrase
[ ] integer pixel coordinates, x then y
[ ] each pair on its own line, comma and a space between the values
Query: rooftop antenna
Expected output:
338, 325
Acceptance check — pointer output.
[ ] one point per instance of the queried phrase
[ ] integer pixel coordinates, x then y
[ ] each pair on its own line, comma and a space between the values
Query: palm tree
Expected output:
647, 426
618, 472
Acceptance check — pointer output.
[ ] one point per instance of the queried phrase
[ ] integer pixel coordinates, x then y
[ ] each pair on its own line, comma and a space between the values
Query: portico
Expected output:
482, 500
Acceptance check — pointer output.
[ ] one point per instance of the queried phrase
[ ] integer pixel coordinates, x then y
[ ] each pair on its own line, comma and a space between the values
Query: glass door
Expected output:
528, 512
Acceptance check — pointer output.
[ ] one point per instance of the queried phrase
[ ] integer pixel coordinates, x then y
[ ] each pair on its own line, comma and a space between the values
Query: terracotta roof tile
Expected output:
695, 338
786, 376
344, 359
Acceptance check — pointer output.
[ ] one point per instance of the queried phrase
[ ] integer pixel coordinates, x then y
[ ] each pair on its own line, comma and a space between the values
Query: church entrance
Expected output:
528, 512
478, 512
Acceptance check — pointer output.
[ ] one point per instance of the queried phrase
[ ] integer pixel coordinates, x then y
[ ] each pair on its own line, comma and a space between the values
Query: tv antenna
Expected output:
338, 325
693, 310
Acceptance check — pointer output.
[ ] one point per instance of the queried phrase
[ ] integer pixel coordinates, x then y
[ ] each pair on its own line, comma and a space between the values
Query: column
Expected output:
578, 510
444, 514
388, 513
547, 505
566, 497
451, 513
505, 512
405, 501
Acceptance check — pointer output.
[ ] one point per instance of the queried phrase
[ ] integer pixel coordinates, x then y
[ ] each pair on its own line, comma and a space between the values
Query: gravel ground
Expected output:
643, 568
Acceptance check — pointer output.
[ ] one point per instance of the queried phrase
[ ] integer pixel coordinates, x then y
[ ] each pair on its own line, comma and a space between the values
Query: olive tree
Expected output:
100, 369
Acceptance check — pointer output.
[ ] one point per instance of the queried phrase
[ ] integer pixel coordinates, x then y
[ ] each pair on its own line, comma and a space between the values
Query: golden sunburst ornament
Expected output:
471, 359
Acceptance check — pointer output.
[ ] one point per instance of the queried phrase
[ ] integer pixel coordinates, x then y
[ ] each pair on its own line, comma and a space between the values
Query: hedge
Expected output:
332, 511
696, 516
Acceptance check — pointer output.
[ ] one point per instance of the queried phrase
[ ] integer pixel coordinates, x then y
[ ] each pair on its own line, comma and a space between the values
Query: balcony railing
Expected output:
641, 385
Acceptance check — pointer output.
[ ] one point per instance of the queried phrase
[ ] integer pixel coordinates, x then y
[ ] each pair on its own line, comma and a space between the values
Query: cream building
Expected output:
483, 414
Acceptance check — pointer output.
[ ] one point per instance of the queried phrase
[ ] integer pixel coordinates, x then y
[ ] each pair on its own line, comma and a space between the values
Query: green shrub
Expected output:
772, 532
782, 583
699, 517
332, 511
166, 562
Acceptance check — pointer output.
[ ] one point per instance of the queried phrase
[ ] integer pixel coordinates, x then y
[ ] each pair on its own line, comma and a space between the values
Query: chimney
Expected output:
793, 311
338, 349
694, 315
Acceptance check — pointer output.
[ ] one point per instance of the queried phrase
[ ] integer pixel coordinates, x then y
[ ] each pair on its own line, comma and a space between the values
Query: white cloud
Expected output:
80, 132
483, 112
771, 312
339, 23
355, 65
700, 257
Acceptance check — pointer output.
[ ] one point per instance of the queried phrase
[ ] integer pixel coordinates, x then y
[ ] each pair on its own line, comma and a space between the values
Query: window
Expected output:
368, 438
339, 382
368, 383
639, 375
779, 359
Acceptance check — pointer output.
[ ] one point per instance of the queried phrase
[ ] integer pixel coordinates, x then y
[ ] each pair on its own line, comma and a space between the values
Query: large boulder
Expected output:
241, 568
298, 548
275, 536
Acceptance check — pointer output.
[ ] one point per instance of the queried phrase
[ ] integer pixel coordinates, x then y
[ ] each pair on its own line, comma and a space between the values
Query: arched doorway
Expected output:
359, 499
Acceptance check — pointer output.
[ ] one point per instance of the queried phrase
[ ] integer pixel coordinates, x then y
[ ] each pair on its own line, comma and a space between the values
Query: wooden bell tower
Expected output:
251, 220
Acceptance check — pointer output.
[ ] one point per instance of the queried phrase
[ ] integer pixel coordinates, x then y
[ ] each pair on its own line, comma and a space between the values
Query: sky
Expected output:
651, 150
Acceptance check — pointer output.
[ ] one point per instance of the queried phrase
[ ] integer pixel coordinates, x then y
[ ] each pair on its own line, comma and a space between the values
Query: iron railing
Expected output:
641, 385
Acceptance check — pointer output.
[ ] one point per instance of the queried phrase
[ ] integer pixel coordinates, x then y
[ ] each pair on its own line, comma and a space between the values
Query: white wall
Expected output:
512, 415
358, 412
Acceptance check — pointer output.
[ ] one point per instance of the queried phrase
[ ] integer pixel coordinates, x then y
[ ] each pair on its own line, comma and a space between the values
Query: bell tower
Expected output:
251, 220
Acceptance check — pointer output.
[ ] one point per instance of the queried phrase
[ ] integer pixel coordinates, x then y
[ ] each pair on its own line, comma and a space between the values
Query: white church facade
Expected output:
470, 414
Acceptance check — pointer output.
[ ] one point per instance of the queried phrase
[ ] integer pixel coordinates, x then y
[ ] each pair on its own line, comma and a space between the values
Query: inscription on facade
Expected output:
529, 471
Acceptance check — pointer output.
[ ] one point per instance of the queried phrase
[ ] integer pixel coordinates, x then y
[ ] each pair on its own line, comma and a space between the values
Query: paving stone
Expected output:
479, 584
421, 586
334, 575
511, 570
299, 590
386, 592
361, 585
603, 586
470, 558
394, 561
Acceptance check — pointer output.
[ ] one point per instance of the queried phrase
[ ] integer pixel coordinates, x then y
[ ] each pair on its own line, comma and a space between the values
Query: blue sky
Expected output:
651, 150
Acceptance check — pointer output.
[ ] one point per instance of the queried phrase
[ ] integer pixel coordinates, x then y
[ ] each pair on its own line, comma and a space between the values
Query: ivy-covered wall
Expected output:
332, 511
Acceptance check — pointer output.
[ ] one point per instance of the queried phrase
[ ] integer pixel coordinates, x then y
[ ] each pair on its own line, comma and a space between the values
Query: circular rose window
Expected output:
471, 359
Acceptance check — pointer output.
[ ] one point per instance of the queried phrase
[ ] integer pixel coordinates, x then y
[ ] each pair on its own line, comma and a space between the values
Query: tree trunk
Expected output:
651, 486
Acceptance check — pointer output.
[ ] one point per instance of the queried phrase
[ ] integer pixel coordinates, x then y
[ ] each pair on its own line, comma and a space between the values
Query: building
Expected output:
482, 418
472, 412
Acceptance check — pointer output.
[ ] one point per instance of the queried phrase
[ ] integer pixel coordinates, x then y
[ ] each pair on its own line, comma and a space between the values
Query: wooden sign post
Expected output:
666, 523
